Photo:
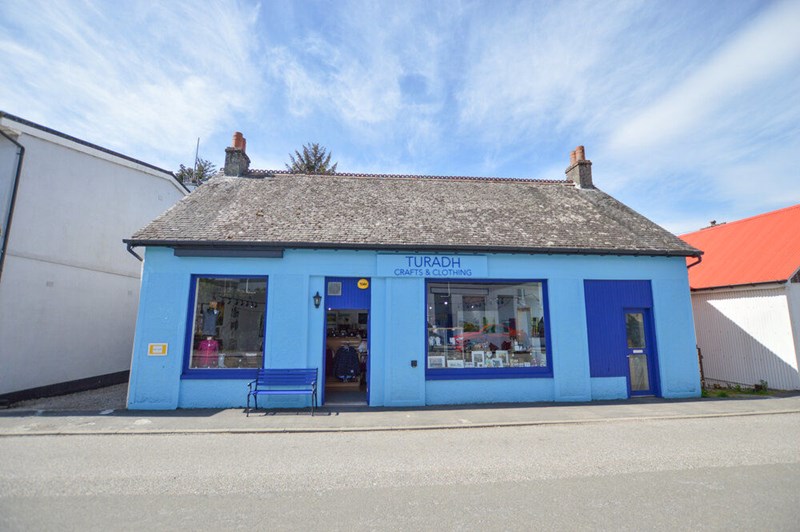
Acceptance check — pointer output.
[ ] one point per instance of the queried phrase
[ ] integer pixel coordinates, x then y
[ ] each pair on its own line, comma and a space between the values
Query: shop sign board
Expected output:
432, 265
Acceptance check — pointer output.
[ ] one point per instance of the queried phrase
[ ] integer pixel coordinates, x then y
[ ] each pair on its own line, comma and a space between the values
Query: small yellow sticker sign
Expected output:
363, 284
157, 350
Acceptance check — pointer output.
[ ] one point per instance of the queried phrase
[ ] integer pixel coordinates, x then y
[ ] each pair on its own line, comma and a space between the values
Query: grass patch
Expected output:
736, 390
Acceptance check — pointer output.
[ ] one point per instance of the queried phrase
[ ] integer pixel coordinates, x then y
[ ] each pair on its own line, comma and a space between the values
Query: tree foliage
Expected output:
197, 175
313, 160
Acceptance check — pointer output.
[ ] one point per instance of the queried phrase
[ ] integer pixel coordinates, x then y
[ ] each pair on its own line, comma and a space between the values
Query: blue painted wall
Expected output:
295, 329
605, 304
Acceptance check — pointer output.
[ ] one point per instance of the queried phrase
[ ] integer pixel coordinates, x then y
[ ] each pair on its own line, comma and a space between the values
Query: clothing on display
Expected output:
206, 354
210, 316
346, 365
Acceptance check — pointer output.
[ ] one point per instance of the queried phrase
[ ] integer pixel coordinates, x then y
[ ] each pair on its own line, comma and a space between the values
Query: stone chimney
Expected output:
237, 163
580, 170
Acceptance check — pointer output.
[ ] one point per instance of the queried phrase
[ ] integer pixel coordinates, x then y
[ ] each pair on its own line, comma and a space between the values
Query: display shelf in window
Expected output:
486, 328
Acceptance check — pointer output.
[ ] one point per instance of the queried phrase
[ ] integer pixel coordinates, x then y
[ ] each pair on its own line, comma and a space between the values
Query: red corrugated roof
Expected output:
760, 249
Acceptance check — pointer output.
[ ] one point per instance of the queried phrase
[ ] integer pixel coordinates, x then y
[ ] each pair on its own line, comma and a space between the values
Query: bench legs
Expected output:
255, 402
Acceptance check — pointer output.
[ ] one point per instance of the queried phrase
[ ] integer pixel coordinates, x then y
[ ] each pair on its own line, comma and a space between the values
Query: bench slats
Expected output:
286, 377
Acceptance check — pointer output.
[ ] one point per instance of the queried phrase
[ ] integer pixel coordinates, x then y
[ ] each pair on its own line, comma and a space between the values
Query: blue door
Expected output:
622, 342
640, 351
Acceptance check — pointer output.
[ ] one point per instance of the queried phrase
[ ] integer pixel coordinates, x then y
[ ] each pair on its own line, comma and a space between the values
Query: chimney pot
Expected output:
572, 159
580, 153
238, 140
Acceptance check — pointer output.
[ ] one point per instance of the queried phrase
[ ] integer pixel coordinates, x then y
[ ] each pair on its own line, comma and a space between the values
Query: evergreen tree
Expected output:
197, 175
313, 160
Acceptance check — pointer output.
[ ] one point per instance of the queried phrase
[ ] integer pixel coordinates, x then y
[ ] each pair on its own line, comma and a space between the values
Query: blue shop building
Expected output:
412, 290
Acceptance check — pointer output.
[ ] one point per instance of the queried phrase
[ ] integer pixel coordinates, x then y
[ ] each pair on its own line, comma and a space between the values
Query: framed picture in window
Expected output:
455, 363
435, 361
478, 358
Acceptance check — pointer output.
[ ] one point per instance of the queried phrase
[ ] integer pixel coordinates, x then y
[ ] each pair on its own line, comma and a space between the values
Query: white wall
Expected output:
746, 335
69, 289
8, 168
793, 294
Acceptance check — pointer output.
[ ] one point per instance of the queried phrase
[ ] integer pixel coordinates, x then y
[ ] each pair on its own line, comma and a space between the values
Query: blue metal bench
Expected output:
292, 381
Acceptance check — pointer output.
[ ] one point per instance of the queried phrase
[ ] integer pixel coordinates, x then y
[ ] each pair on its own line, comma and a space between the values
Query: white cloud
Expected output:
143, 78
718, 143
765, 49
360, 87
379, 76
548, 66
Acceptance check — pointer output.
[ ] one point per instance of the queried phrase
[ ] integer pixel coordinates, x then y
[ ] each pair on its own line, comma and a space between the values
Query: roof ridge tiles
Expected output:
259, 173
741, 220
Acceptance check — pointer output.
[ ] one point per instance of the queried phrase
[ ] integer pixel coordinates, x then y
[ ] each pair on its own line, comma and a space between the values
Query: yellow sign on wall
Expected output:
363, 284
157, 350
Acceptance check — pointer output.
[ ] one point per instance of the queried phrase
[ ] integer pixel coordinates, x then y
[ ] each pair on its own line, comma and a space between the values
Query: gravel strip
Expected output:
110, 397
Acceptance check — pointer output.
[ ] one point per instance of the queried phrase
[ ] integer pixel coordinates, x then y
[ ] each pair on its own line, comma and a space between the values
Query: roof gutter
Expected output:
7, 231
743, 286
406, 248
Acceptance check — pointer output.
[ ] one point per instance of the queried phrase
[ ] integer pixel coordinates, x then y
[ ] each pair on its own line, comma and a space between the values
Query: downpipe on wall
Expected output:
7, 231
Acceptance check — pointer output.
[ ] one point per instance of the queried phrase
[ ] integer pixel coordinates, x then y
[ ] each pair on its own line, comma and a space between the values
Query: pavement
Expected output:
104, 414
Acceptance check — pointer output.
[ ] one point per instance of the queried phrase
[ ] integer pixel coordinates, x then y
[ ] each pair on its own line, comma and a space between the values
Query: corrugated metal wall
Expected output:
746, 336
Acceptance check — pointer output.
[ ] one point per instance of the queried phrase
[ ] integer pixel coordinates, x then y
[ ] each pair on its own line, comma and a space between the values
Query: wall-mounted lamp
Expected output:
317, 299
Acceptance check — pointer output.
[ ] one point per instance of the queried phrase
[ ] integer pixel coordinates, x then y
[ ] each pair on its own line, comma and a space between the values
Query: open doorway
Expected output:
346, 356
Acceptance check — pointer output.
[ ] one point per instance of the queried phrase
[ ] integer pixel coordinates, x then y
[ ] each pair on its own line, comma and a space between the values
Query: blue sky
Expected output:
690, 111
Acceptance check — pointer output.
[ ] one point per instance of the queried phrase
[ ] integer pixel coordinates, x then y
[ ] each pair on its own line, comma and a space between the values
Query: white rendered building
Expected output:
68, 289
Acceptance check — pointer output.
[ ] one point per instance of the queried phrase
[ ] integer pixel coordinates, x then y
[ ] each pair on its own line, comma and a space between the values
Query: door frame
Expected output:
323, 366
651, 350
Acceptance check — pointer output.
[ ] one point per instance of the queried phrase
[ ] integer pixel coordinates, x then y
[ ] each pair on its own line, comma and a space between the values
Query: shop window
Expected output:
228, 323
486, 329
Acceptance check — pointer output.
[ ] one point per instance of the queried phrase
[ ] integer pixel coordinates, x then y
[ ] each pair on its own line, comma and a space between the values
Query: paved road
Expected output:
717, 473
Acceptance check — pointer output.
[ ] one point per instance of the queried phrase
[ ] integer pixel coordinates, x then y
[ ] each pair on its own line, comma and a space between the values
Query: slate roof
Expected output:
367, 211
760, 249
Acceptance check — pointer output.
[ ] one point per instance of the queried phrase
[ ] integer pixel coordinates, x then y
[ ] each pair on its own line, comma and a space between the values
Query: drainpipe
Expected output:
699, 260
132, 252
7, 231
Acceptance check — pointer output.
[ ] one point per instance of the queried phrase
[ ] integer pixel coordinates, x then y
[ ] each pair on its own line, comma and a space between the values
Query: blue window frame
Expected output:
487, 329
226, 326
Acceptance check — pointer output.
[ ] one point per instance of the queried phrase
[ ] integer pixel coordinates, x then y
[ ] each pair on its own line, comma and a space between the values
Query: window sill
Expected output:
488, 374
233, 373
